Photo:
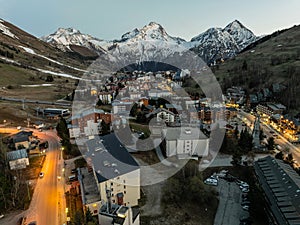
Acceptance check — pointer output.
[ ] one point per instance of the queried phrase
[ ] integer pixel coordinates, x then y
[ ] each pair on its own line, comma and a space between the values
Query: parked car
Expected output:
245, 190
1, 216
245, 203
211, 181
245, 207
41, 175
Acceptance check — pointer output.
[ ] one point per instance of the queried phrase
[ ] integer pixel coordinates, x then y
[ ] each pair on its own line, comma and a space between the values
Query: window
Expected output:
124, 181
112, 195
113, 201
111, 184
124, 192
124, 186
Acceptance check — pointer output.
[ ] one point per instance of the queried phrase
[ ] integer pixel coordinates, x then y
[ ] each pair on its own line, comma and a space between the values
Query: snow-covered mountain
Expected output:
242, 35
217, 43
150, 32
64, 38
214, 44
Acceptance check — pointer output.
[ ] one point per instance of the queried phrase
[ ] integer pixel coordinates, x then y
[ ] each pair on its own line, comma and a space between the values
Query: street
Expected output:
48, 202
281, 140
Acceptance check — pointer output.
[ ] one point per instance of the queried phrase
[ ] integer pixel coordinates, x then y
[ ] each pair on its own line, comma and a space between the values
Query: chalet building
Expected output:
144, 101
22, 139
106, 97
17, 159
252, 101
270, 109
162, 115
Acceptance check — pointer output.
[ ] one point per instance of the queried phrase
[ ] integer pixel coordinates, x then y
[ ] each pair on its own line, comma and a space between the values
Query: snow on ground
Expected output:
42, 70
58, 74
5, 30
37, 85
10, 61
29, 50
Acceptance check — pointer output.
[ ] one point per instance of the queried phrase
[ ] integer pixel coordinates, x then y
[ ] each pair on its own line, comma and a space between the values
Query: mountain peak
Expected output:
242, 35
152, 31
69, 31
234, 25
152, 23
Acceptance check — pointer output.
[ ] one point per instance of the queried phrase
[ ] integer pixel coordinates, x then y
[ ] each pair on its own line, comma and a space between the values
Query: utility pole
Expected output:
23, 104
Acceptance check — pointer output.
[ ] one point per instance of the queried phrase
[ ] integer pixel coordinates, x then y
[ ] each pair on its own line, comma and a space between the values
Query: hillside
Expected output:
273, 59
35, 70
26, 60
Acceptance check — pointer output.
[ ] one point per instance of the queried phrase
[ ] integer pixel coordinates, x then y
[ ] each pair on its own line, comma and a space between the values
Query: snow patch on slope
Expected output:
31, 51
5, 30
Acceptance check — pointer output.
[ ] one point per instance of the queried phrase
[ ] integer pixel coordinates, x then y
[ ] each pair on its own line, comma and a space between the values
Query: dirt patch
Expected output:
35, 165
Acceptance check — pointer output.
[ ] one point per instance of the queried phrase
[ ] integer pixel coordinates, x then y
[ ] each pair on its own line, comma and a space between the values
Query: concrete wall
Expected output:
19, 164
128, 184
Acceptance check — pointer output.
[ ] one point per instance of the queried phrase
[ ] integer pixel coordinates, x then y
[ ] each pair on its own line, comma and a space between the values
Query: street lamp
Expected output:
28, 191
62, 149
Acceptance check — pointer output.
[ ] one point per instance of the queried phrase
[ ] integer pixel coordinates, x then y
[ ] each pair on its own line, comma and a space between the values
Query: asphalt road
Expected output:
48, 203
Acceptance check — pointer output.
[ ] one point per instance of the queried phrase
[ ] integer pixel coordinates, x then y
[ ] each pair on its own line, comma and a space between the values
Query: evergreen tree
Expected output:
236, 157
279, 155
88, 216
134, 110
245, 141
271, 143
99, 102
105, 127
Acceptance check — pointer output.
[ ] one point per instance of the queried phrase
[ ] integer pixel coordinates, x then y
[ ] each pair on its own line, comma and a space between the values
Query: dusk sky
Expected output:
110, 19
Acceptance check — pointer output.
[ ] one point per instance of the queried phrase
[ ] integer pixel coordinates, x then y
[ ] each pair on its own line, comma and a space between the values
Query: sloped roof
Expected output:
18, 154
281, 185
109, 157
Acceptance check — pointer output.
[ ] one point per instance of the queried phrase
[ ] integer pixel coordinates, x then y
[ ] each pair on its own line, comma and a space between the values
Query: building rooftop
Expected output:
109, 157
89, 187
18, 154
183, 133
281, 185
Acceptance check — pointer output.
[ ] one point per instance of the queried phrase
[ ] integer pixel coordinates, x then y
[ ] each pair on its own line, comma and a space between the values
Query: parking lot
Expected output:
230, 210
